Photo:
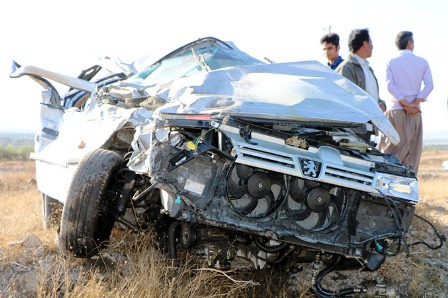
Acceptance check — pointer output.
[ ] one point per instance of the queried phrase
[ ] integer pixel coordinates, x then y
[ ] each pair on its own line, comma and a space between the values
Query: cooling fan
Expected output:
315, 206
254, 192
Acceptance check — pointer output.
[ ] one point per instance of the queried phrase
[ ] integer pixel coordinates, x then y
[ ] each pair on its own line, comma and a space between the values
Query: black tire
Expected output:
51, 211
86, 225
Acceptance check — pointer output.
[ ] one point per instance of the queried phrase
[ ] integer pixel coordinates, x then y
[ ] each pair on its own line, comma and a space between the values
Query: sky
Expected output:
69, 36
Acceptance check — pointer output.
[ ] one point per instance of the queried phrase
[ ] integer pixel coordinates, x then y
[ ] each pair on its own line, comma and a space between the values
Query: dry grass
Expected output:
20, 207
141, 271
424, 272
433, 178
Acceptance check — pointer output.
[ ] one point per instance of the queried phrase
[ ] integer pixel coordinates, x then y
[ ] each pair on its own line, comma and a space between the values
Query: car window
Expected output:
190, 62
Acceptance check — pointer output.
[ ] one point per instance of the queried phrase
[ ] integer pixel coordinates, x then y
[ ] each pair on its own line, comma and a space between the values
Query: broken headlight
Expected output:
401, 187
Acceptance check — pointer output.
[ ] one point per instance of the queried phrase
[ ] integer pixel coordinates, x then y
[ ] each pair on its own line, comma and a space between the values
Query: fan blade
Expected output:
296, 192
243, 171
245, 205
235, 190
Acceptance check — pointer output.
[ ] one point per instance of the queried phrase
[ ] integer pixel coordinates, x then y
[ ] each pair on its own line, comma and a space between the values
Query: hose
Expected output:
319, 290
442, 238
172, 239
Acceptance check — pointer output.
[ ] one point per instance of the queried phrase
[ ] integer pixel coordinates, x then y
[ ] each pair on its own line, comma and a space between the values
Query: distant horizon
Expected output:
16, 131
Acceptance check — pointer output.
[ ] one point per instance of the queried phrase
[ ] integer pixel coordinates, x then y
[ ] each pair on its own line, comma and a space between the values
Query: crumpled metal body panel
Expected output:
306, 91
78, 133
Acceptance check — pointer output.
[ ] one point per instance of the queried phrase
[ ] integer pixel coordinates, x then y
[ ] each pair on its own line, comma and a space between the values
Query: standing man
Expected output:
356, 68
330, 44
404, 76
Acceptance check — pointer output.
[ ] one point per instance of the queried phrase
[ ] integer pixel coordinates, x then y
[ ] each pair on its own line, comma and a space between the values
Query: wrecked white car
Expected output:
228, 157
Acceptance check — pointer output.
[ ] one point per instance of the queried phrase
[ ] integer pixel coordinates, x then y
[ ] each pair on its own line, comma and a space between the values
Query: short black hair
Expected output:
401, 41
330, 38
356, 39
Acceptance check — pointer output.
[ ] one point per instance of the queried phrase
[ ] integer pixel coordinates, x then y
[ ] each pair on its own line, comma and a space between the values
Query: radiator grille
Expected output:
274, 158
349, 175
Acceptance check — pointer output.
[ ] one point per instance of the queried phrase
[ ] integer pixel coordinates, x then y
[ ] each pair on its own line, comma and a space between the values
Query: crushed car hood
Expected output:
306, 92
297, 91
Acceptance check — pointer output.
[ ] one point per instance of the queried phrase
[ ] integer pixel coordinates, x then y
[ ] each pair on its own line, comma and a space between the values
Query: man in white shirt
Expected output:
404, 76
356, 68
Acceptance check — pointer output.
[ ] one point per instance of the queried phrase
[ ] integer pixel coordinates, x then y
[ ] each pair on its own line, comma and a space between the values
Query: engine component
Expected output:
318, 199
258, 185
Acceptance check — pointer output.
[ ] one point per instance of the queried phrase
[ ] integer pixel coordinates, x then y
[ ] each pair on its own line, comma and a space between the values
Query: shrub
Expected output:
11, 152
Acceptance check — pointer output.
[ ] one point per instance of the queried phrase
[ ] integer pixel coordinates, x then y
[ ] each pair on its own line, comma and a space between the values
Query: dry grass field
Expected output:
30, 265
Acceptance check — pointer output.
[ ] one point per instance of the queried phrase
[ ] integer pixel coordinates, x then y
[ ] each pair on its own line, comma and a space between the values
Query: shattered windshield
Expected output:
194, 60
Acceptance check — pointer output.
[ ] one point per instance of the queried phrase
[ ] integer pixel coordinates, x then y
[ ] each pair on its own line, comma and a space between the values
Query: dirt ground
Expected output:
28, 253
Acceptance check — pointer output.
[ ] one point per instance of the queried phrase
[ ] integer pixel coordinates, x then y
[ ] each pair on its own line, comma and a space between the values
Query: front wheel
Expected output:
87, 219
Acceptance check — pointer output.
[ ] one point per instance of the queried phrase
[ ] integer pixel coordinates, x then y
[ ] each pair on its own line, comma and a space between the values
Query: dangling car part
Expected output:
230, 158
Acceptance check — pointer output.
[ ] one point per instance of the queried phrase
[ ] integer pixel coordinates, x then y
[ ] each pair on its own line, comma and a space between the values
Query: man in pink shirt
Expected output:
404, 76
